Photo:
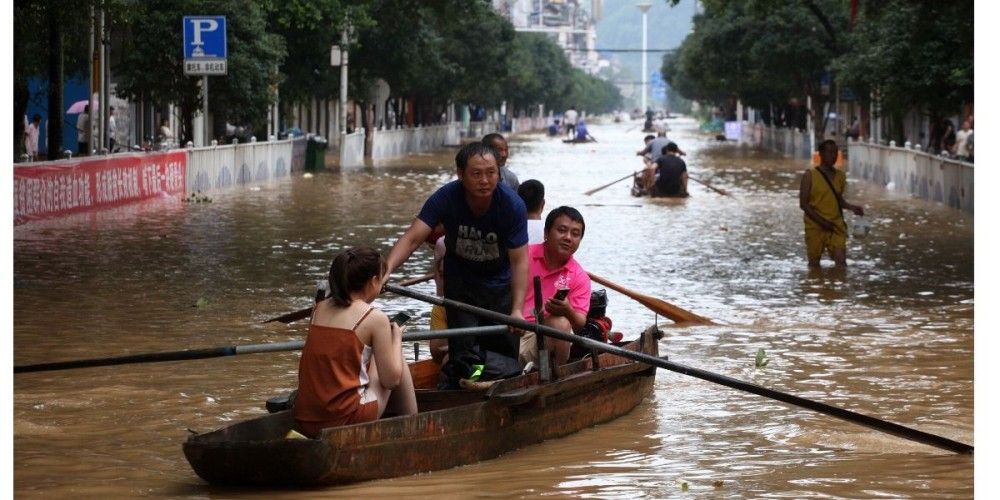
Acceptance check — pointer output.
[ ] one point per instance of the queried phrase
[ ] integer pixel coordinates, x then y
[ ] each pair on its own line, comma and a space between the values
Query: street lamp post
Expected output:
644, 7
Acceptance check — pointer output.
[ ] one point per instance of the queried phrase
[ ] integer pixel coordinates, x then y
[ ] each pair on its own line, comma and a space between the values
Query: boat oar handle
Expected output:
218, 352
592, 191
306, 311
544, 368
842, 413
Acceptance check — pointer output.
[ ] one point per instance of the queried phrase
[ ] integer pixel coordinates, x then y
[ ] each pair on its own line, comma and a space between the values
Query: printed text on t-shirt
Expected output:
471, 245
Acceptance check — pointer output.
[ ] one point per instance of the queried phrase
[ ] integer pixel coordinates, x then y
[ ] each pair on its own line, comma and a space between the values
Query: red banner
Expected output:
69, 186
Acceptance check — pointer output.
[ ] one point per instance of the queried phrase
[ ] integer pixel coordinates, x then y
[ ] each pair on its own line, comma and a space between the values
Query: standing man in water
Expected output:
486, 257
569, 121
500, 145
821, 198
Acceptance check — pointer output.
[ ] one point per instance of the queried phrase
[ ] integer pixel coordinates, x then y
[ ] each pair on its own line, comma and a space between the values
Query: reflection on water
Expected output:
891, 336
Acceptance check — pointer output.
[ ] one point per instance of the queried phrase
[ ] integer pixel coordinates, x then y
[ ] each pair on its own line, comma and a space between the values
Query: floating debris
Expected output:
761, 360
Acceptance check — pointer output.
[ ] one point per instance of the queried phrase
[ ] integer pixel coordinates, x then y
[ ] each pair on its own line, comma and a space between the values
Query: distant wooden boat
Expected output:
452, 428
638, 191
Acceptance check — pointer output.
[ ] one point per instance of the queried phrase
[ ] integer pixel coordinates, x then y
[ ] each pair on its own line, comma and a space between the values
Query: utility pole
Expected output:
644, 7
88, 131
105, 84
344, 39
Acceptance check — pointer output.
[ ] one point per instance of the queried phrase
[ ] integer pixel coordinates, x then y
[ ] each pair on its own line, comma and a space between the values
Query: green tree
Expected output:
309, 29
538, 72
762, 52
50, 40
911, 53
450, 50
152, 63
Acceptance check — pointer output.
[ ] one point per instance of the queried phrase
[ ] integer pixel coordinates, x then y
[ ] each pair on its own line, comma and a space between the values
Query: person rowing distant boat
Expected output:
654, 149
671, 173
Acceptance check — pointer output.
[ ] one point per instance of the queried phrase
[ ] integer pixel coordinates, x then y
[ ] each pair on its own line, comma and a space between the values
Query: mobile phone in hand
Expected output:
400, 318
561, 293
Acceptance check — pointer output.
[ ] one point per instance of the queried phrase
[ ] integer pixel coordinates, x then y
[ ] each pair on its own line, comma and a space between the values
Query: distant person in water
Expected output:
569, 121
581, 131
554, 128
645, 182
821, 198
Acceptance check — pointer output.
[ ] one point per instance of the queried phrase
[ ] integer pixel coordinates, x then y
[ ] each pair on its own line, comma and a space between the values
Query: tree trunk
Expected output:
54, 136
187, 123
219, 119
20, 110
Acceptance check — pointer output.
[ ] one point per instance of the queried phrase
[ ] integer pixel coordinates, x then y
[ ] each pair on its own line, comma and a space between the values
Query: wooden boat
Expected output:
639, 191
453, 427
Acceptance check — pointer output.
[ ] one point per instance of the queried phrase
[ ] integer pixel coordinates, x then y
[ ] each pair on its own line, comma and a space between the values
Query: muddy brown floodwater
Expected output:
891, 337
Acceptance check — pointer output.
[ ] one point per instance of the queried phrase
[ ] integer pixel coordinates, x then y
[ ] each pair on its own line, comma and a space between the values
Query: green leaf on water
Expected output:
202, 302
761, 360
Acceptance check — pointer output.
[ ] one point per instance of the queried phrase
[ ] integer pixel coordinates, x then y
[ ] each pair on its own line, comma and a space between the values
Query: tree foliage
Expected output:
758, 51
50, 38
309, 29
434, 53
912, 52
152, 62
539, 73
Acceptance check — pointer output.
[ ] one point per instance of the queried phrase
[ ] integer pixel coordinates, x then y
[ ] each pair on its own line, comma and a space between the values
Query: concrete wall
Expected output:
219, 167
913, 172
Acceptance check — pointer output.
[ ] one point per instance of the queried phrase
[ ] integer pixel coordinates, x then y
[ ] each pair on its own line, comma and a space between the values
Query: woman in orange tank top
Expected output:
352, 366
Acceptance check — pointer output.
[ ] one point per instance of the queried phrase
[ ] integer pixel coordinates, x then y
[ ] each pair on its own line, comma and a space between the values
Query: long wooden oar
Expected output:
232, 350
306, 311
661, 307
841, 413
592, 191
709, 186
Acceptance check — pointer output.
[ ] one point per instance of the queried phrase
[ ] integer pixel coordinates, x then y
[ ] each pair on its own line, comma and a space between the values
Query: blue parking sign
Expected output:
204, 37
205, 45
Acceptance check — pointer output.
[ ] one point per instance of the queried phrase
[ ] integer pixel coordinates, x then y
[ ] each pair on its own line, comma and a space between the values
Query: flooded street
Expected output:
892, 337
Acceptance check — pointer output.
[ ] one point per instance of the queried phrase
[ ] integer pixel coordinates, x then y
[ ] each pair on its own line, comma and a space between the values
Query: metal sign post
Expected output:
205, 54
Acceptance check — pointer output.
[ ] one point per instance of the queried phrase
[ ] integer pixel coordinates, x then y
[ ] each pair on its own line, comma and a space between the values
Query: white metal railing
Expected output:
352, 149
219, 167
402, 141
790, 142
529, 124
911, 171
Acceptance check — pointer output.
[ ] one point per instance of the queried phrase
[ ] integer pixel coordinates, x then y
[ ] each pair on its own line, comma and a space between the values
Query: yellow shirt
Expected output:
822, 199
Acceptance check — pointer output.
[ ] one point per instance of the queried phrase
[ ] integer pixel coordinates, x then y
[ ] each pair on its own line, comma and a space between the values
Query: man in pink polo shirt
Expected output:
565, 285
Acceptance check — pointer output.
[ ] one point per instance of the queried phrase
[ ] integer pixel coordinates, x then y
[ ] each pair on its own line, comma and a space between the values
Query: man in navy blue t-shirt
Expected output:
486, 258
